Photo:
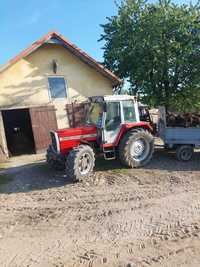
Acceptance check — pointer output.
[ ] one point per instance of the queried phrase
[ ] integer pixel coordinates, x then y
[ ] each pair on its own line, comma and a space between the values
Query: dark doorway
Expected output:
18, 130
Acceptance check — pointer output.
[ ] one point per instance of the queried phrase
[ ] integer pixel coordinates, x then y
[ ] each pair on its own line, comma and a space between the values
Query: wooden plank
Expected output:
43, 120
3, 144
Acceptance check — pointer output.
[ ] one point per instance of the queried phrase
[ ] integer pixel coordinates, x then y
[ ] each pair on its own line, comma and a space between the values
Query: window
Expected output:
57, 87
113, 116
129, 111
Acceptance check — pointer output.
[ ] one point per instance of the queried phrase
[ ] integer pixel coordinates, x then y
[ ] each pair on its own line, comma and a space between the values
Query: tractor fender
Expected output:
85, 142
128, 127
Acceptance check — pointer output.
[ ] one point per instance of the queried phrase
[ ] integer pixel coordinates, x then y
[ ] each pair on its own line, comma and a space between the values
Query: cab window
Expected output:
129, 111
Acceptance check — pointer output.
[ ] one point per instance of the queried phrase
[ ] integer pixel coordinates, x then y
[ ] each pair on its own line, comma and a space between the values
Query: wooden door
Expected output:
43, 120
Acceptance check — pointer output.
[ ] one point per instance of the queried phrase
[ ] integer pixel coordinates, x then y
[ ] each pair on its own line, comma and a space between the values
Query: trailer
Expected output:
181, 139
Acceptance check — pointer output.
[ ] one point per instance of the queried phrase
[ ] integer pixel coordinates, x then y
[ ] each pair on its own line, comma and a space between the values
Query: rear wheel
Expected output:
136, 148
184, 152
80, 162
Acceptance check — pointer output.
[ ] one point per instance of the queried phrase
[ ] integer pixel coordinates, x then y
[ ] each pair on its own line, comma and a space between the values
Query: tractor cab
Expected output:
109, 113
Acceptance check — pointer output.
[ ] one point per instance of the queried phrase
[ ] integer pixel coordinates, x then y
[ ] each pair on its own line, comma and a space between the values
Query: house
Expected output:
36, 87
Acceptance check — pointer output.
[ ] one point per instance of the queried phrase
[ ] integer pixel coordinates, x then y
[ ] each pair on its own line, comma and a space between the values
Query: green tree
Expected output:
156, 47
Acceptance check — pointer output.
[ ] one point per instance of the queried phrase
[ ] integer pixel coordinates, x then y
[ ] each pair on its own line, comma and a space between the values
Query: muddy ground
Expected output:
119, 217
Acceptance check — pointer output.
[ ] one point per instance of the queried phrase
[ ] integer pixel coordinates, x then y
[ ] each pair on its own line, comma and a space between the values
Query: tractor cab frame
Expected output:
110, 114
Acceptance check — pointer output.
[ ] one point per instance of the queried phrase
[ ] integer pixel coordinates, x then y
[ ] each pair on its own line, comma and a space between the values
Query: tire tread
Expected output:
124, 155
72, 162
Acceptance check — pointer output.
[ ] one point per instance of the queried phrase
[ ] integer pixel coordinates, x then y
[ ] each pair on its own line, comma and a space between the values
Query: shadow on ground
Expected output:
162, 160
38, 175
30, 177
166, 160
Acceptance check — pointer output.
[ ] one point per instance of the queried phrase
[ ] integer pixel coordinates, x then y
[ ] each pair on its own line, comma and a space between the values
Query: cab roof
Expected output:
118, 97
111, 98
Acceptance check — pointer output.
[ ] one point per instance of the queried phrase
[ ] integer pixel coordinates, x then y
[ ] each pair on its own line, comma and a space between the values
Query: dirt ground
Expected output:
119, 217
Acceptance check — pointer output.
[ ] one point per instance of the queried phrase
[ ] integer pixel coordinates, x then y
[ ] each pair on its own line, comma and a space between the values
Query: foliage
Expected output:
156, 47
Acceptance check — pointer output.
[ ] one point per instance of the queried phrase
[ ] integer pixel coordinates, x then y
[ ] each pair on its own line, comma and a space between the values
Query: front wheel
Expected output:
80, 162
136, 148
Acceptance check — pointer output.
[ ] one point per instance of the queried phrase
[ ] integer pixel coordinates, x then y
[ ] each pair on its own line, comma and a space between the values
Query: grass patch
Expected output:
110, 165
122, 170
4, 179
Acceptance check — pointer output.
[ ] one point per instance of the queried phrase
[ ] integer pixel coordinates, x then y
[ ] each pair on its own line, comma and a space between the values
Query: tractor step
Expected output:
109, 153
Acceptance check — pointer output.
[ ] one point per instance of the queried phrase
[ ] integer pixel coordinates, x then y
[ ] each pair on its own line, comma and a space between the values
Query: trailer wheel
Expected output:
184, 152
136, 148
80, 162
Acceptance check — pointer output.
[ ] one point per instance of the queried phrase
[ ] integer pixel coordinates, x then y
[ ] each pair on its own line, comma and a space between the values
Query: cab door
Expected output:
112, 121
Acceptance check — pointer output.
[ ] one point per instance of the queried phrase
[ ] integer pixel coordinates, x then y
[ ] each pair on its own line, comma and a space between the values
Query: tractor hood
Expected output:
77, 133
69, 138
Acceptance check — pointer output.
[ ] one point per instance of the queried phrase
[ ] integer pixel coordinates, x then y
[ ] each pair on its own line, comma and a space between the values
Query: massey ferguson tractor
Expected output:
113, 128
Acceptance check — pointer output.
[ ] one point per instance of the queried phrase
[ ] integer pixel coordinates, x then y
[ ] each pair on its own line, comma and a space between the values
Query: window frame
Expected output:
49, 90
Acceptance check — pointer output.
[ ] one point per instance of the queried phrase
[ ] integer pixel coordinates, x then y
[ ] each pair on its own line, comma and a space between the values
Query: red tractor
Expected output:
113, 128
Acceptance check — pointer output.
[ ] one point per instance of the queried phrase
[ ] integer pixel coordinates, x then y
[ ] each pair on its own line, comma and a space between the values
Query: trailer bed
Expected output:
182, 139
180, 135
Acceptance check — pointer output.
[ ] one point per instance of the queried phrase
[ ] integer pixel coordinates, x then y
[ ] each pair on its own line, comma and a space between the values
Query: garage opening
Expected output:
18, 131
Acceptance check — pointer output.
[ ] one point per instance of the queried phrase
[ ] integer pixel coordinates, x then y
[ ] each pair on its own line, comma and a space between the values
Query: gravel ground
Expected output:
119, 217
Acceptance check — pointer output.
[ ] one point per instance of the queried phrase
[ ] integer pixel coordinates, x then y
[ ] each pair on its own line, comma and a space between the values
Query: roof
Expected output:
54, 37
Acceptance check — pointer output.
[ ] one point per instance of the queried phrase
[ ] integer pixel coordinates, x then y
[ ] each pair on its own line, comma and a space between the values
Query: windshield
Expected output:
95, 114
